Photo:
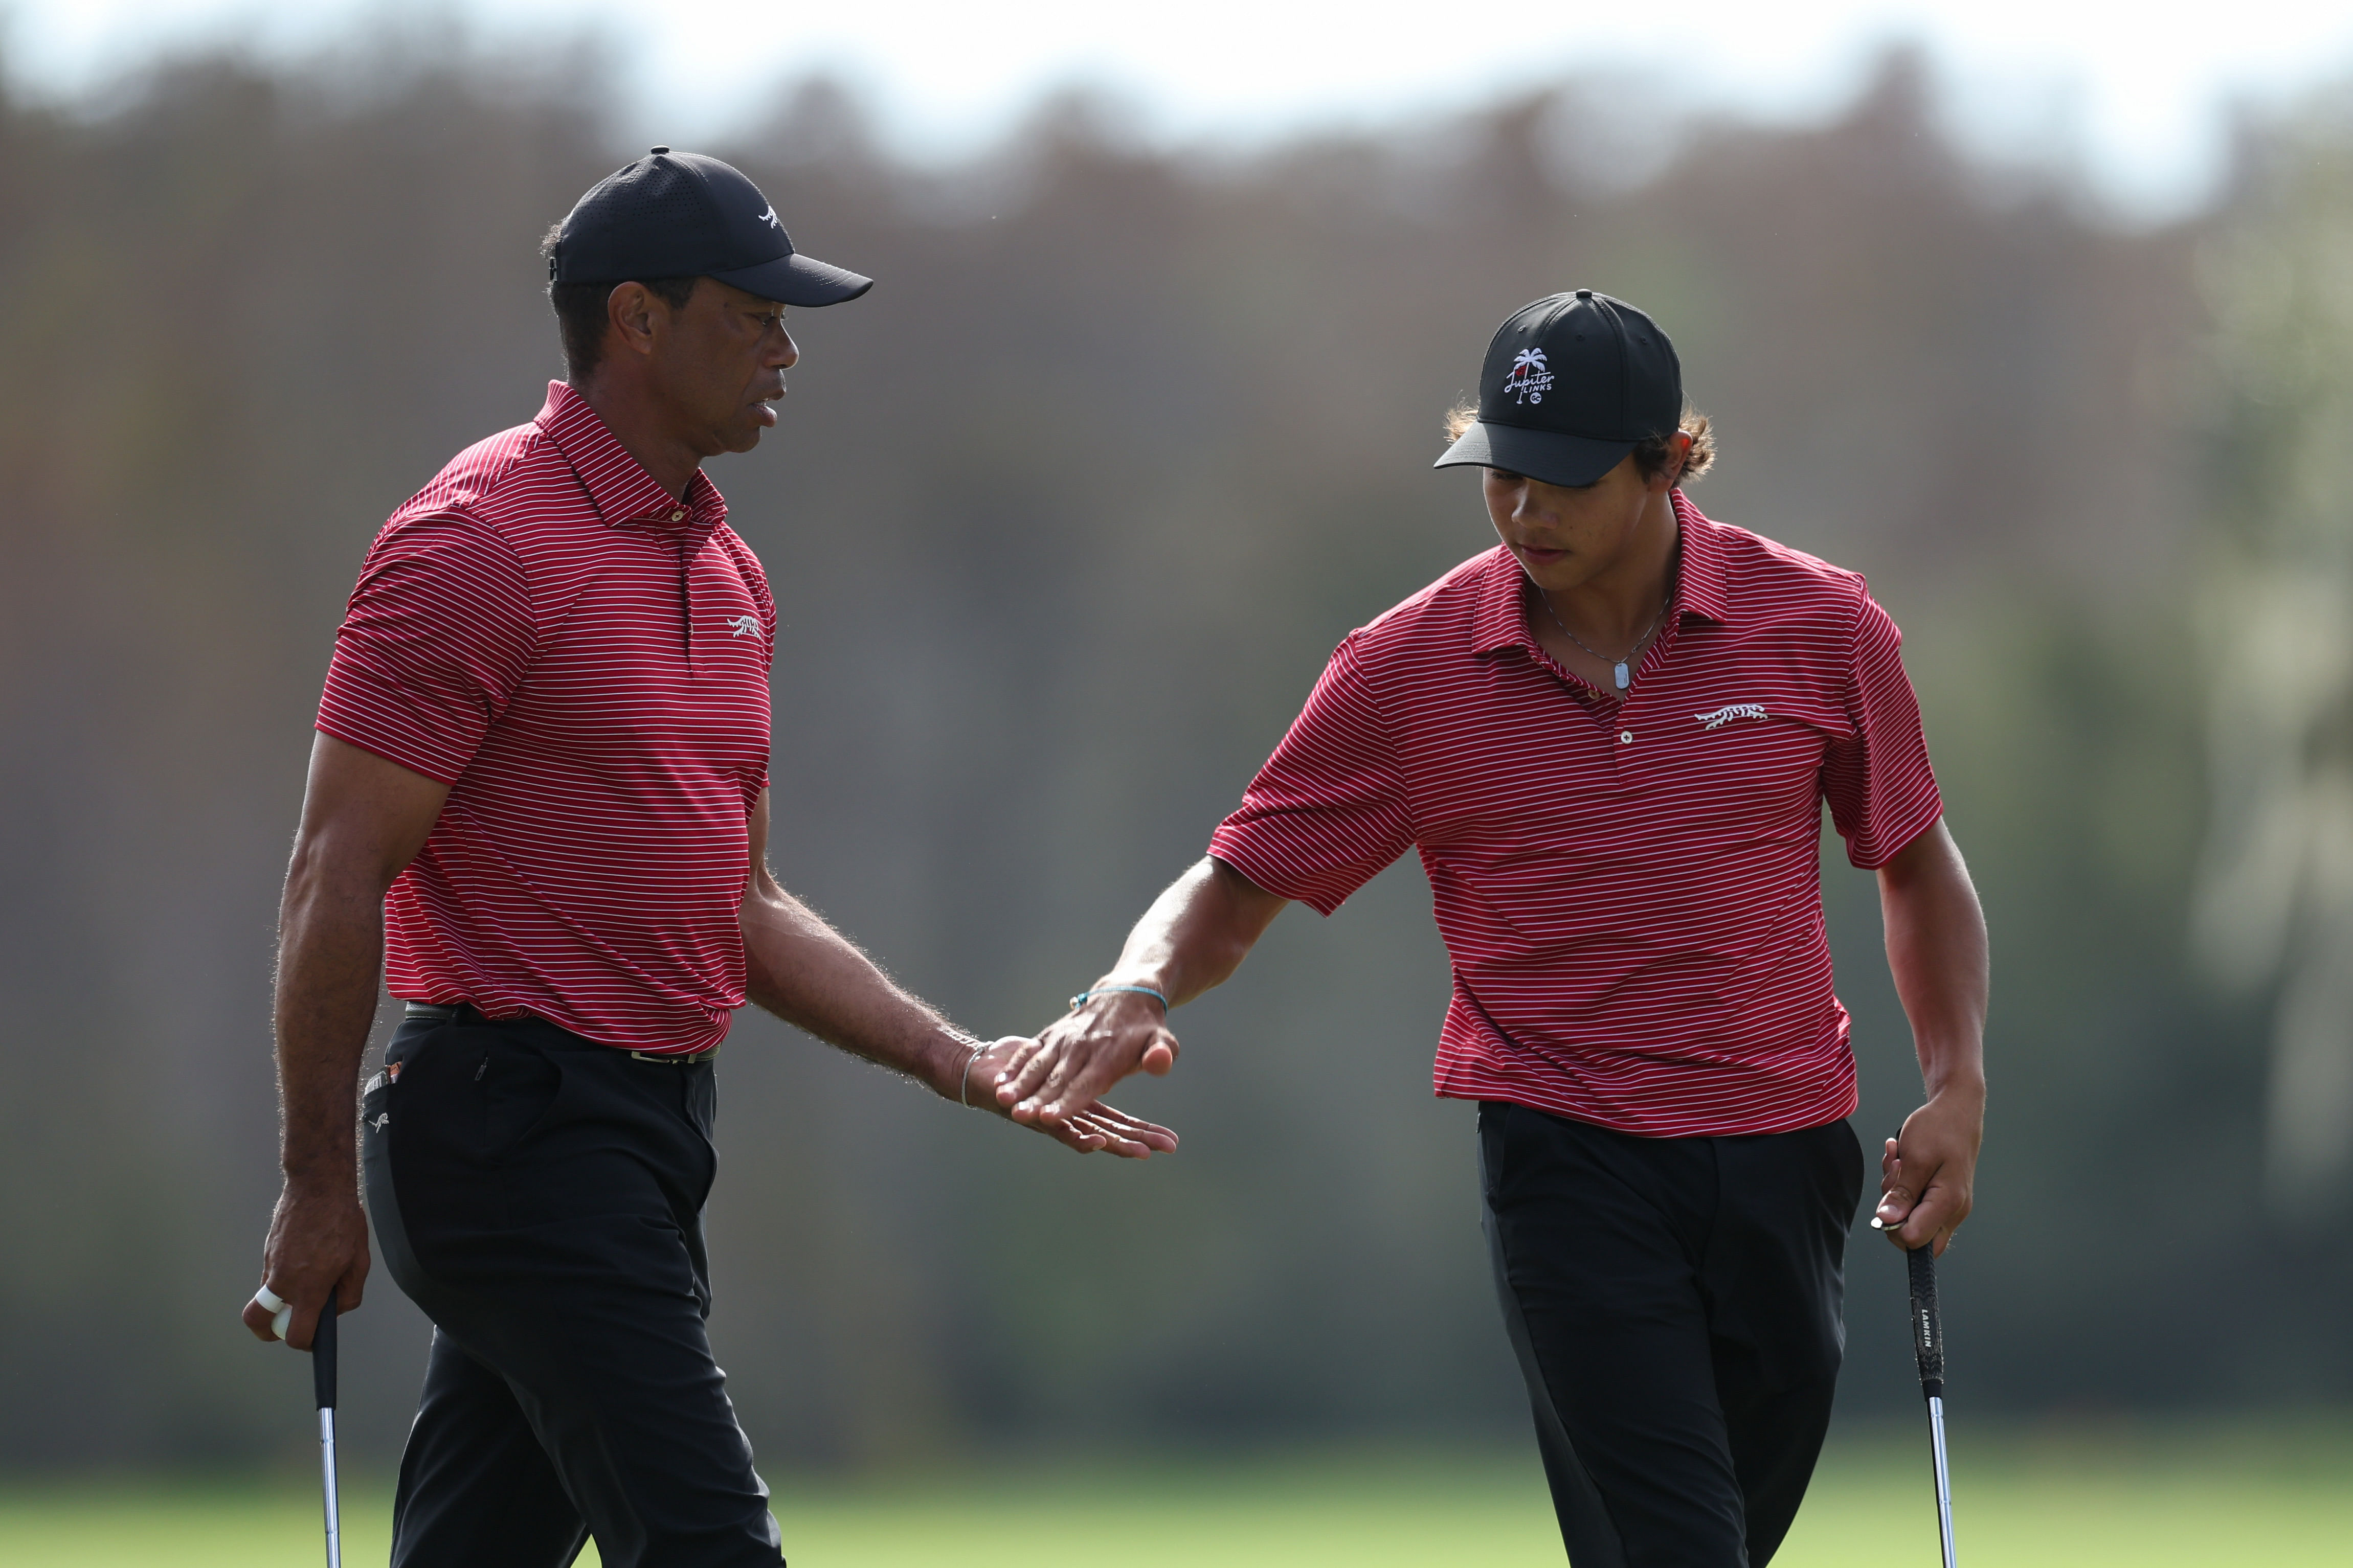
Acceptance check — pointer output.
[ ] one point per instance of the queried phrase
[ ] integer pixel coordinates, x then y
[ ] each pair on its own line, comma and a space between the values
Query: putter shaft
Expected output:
323, 1386
1944, 1481
327, 1466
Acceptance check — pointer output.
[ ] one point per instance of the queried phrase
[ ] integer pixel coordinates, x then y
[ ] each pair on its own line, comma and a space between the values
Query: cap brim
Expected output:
798, 279
1571, 462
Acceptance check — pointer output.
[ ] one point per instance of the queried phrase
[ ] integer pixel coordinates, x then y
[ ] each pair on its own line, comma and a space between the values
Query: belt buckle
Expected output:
672, 1058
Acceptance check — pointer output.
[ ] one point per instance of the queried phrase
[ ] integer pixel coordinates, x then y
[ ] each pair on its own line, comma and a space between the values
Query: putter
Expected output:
1928, 1350
322, 1385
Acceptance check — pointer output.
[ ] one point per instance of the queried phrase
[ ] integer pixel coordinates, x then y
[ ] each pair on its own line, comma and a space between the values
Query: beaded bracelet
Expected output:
1081, 998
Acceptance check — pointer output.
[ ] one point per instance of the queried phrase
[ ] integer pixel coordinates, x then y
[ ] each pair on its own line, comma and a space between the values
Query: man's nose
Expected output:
787, 353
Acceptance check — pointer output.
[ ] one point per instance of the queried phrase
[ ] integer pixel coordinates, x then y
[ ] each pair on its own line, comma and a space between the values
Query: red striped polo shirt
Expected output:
1629, 891
583, 660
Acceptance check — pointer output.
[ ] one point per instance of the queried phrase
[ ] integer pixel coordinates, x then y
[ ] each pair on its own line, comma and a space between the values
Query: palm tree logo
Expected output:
1529, 375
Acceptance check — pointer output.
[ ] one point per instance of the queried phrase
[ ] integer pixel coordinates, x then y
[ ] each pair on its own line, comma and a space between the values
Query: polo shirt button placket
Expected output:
1629, 776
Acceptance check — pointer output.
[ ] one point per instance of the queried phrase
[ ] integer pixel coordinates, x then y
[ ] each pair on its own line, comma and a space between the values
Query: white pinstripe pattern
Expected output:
1635, 924
534, 629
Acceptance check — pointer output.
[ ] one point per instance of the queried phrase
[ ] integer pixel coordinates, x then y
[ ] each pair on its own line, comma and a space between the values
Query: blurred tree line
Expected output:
1062, 520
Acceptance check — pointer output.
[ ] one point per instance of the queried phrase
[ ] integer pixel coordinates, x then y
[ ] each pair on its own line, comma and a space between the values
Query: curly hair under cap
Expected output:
1650, 455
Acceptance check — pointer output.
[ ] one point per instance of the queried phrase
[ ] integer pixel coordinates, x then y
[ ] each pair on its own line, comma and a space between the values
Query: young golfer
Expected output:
538, 805
1610, 738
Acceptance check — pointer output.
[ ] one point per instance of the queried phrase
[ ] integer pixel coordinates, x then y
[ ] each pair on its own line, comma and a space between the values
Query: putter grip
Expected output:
322, 1356
1927, 1325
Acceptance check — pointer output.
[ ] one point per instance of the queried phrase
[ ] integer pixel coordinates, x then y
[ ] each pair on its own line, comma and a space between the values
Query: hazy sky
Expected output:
2137, 87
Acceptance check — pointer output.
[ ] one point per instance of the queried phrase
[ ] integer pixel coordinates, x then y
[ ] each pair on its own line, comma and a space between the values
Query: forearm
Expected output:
810, 975
1936, 953
1196, 932
363, 819
331, 954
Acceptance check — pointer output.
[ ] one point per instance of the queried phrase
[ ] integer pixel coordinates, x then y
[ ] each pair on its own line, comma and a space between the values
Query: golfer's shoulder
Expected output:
731, 544
514, 491
1441, 621
469, 531
1765, 582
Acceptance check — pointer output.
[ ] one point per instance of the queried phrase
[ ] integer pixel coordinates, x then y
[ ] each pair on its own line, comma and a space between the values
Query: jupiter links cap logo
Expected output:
1724, 716
1529, 380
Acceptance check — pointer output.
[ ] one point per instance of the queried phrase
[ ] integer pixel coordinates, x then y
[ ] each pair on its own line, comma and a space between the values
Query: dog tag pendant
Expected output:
1624, 680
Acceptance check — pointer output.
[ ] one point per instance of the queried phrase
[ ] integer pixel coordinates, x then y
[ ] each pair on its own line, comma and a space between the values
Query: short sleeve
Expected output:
1881, 791
1328, 812
434, 641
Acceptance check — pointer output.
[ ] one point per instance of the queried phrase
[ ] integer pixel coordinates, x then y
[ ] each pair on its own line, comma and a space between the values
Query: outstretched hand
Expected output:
1090, 1126
1927, 1174
1080, 1055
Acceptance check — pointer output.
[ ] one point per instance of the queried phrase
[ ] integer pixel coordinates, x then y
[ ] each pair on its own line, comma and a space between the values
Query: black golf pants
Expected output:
1675, 1304
539, 1196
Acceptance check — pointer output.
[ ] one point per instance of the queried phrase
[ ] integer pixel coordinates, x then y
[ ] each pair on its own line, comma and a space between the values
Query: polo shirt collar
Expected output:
623, 493
1499, 620
1701, 586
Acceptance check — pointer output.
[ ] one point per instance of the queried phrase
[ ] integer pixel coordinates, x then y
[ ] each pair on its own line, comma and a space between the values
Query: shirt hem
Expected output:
378, 749
1762, 1127
1933, 814
1241, 858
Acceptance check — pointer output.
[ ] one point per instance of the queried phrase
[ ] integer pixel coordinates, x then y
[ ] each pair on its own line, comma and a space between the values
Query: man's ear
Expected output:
630, 313
1679, 448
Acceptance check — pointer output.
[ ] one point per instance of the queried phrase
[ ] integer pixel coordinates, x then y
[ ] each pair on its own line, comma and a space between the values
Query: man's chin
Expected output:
1556, 576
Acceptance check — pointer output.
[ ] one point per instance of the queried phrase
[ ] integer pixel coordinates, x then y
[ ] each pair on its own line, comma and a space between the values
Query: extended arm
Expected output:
363, 819
1195, 935
810, 975
1937, 952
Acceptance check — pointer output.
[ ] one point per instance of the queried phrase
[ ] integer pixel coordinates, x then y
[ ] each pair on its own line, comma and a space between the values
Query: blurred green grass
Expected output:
2275, 1494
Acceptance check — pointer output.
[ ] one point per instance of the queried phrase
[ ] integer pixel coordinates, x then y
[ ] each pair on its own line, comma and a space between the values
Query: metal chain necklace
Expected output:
1624, 677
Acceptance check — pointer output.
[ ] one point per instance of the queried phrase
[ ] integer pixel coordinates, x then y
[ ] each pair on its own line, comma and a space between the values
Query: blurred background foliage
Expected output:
1062, 520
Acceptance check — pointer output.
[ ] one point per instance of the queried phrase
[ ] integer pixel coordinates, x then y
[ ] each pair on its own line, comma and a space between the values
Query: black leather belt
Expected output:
444, 1012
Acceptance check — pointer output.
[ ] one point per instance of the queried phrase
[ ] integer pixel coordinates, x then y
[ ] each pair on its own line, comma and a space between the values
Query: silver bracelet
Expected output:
1092, 992
964, 1081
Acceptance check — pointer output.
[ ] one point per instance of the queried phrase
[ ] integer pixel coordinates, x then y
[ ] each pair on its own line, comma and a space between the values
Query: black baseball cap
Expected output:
1571, 385
681, 214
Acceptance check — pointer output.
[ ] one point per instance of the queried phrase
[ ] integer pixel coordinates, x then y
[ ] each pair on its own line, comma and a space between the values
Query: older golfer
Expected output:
538, 806
1611, 739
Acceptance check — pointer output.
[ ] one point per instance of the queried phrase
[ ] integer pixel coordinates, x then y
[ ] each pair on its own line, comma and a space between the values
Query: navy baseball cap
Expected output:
1571, 385
682, 215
